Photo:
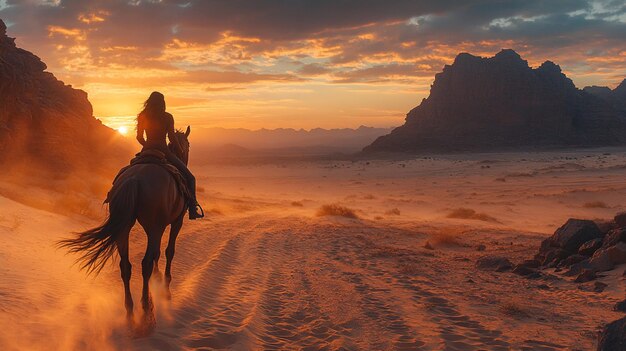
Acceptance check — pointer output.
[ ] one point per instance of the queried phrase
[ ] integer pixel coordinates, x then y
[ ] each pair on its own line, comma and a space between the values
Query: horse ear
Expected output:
188, 131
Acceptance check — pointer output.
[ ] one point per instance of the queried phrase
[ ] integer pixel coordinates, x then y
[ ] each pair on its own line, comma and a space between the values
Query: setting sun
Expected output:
123, 130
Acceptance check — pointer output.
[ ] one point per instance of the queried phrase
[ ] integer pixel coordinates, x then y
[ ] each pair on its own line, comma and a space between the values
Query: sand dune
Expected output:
264, 274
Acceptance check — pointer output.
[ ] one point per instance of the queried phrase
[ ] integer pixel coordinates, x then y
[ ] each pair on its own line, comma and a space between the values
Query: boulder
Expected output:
494, 263
617, 253
613, 336
620, 220
613, 237
574, 233
588, 248
601, 261
606, 226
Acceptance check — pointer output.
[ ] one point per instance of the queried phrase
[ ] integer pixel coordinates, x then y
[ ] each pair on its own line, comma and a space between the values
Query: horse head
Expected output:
183, 141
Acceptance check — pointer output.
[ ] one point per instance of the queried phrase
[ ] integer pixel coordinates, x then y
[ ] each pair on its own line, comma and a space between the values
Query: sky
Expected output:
301, 63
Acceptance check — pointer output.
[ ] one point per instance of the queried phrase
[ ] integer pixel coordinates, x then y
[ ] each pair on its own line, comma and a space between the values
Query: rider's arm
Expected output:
170, 134
140, 129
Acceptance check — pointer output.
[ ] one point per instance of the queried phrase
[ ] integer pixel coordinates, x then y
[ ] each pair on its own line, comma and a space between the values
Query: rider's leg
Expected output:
191, 183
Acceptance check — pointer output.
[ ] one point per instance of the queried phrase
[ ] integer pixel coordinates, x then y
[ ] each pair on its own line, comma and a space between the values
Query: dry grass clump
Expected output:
393, 211
444, 239
595, 204
513, 309
336, 210
468, 213
297, 204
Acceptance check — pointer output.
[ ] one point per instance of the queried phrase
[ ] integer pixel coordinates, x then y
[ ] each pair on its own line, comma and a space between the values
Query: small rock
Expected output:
572, 260
559, 255
587, 275
577, 268
613, 237
620, 306
590, 247
531, 263
523, 270
613, 336
494, 263
428, 246
599, 287
481, 247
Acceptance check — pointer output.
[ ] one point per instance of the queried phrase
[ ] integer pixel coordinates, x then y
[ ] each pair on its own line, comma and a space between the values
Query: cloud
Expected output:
217, 46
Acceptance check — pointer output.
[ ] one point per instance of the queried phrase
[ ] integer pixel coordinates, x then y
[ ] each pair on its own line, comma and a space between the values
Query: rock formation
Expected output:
615, 97
47, 128
500, 102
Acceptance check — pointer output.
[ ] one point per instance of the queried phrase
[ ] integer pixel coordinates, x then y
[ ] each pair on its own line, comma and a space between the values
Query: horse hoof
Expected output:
146, 326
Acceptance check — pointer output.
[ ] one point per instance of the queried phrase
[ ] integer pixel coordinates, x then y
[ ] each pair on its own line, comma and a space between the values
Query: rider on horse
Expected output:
157, 124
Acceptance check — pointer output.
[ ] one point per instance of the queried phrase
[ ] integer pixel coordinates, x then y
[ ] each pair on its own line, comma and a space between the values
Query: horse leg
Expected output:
125, 270
147, 264
169, 252
156, 272
154, 242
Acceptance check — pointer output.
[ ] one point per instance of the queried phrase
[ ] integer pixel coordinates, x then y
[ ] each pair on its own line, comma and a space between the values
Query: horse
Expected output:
146, 193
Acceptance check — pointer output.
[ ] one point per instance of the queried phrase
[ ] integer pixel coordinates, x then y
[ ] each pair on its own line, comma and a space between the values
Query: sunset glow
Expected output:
294, 66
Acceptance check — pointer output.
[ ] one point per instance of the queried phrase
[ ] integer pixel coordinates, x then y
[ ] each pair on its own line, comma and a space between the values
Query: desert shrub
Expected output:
513, 309
336, 210
468, 213
444, 239
595, 204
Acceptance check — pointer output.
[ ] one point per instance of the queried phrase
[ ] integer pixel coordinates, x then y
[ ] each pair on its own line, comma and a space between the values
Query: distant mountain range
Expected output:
501, 103
220, 142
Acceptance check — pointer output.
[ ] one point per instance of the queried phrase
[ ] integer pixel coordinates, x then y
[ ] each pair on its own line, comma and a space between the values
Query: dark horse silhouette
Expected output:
146, 193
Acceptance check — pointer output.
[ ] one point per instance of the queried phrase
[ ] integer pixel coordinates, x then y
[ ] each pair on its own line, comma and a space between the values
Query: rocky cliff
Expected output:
501, 103
616, 97
47, 128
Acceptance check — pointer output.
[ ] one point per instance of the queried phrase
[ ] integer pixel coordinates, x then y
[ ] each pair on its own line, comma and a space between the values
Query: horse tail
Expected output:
97, 245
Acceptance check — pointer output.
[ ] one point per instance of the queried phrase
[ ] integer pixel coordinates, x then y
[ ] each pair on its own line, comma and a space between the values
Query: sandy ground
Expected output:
265, 272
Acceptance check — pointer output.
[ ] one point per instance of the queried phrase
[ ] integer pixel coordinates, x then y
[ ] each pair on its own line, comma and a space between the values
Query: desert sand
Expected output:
267, 270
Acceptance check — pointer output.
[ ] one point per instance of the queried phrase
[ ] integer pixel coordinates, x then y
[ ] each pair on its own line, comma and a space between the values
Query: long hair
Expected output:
154, 106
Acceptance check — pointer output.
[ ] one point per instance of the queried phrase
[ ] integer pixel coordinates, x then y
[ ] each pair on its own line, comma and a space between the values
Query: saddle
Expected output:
156, 157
